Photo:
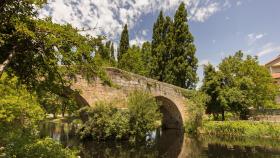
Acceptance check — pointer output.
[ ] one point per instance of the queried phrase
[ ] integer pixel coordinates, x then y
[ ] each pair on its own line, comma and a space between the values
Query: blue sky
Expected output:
220, 27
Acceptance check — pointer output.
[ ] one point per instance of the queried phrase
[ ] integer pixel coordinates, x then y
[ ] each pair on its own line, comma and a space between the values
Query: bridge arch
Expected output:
172, 117
169, 96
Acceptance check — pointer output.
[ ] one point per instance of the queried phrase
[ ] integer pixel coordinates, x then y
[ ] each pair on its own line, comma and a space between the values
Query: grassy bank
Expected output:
242, 129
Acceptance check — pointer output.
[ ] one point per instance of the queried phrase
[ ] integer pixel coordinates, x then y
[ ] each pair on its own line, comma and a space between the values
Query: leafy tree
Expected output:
183, 60
124, 43
34, 50
20, 115
239, 83
212, 84
132, 61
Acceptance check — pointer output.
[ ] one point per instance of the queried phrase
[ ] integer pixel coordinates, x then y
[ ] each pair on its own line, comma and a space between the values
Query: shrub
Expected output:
195, 109
46, 148
103, 122
143, 112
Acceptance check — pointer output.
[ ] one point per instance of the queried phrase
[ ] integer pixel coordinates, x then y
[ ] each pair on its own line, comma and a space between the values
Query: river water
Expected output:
167, 144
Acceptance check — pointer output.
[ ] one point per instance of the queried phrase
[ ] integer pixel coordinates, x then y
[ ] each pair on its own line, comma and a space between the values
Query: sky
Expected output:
220, 27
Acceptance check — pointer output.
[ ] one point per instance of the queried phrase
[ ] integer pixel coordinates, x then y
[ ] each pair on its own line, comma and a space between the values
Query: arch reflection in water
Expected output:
172, 118
165, 143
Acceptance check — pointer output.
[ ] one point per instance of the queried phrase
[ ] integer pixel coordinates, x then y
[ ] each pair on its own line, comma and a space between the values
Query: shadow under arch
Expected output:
172, 118
80, 100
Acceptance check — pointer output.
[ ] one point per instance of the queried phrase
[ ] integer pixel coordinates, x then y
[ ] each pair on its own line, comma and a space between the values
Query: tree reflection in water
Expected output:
165, 143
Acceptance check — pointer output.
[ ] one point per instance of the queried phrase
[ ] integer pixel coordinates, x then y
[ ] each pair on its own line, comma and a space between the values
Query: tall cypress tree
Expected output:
183, 60
124, 42
158, 48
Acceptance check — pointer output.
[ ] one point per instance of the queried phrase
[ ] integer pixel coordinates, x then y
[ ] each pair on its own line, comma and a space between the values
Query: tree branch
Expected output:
4, 65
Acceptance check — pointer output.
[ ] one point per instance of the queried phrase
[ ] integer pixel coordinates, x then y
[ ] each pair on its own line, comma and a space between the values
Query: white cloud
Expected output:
204, 13
139, 40
268, 48
108, 16
253, 37
203, 62
238, 3
144, 32
227, 18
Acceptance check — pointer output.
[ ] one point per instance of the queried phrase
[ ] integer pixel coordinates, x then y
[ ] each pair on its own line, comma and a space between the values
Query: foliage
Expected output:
46, 148
146, 58
103, 122
173, 50
56, 104
124, 43
195, 105
242, 128
158, 49
20, 115
35, 49
183, 61
19, 110
239, 83
132, 61
143, 113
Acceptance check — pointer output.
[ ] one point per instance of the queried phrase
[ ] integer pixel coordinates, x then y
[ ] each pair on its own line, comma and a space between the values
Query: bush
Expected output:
143, 112
103, 122
195, 109
46, 148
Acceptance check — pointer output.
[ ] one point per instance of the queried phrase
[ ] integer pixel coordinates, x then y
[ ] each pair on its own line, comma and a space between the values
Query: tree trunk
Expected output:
4, 65
223, 115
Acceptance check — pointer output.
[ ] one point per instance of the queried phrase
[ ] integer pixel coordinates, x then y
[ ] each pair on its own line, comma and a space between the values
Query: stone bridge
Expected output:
169, 96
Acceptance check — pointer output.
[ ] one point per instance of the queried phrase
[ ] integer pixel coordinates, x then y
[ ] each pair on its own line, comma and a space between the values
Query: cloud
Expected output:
203, 62
238, 3
253, 37
204, 13
268, 48
138, 40
107, 17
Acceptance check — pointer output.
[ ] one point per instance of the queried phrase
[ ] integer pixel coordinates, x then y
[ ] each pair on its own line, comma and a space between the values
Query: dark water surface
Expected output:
167, 144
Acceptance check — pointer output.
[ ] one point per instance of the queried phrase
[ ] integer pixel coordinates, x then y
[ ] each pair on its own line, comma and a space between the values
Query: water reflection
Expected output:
167, 144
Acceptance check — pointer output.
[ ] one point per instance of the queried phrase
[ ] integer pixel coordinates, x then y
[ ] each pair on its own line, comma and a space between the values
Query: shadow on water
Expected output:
165, 143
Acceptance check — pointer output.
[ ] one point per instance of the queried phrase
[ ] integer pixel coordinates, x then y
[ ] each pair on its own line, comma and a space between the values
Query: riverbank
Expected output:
251, 129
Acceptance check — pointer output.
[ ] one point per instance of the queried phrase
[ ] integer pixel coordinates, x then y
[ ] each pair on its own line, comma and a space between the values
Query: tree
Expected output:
146, 57
239, 83
124, 43
183, 60
34, 50
132, 61
212, 84
158, 49
173, 50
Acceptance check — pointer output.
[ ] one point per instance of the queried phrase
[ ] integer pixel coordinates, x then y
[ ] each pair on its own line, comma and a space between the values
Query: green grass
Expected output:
242, 128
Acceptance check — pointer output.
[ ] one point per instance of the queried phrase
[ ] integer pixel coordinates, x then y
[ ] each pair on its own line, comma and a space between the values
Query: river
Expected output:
166, 143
